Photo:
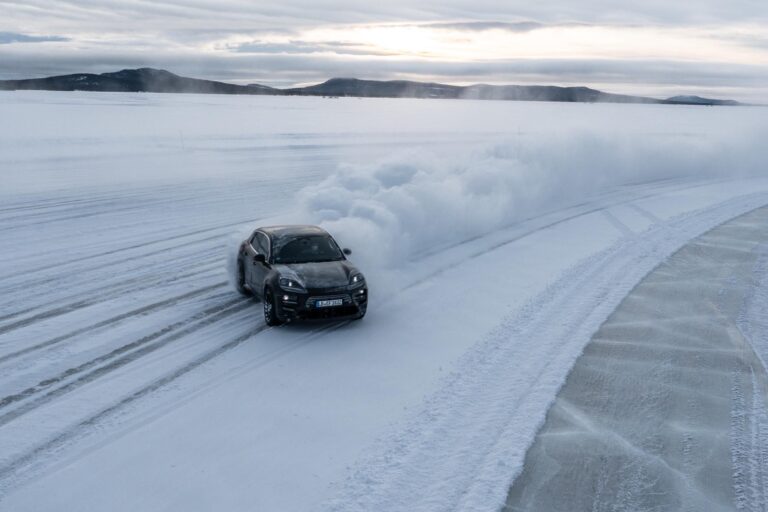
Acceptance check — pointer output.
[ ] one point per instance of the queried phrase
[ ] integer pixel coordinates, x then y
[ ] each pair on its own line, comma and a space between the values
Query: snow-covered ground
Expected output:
497, 237
684, 345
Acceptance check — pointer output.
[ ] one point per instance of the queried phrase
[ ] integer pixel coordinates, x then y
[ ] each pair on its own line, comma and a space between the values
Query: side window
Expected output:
254, 241
262, 244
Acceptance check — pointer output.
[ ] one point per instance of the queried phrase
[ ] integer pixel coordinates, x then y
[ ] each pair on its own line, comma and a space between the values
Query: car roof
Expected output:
292, 230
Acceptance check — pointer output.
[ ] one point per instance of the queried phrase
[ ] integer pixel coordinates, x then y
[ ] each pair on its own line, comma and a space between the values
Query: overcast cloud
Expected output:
647, 47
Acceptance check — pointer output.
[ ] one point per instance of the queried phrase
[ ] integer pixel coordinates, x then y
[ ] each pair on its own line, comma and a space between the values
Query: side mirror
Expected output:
348, 252
259, 258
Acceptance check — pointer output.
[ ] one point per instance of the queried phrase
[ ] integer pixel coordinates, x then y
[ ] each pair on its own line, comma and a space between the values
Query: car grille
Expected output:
326, 313
335, 289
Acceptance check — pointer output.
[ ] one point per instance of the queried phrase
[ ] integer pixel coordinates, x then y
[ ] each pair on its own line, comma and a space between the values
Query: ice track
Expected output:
472, 435
665, 409
76, 360
132, 377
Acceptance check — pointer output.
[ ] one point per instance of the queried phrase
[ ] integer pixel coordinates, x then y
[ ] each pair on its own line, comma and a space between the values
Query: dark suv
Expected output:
299, 272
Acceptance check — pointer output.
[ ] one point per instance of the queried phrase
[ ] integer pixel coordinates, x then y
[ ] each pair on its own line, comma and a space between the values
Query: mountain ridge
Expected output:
162, 81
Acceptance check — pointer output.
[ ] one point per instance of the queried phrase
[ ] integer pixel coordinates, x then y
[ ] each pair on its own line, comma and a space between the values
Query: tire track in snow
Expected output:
66, 204
603, 202
138, 200
112, 263
531, 322
547, 225
12, 470
87, 302
430, 464
48, 382
166, 266
123, 249
614, 221
70, 307
123, 209
94, 297
645, 213
57, 277
115, 359
654, 186
88, 199
113, 320
96, 418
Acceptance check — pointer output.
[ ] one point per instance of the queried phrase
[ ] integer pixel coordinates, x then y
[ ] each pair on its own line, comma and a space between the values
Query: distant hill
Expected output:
407, 89
158, 80
378, 89
698, 100
133, 80
549, 93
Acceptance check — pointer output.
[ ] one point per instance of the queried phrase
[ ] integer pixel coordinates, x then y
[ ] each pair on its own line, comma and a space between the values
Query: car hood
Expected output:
327, 274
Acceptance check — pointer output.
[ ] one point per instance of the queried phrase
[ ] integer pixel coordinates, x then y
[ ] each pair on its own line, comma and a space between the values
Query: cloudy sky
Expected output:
652, 47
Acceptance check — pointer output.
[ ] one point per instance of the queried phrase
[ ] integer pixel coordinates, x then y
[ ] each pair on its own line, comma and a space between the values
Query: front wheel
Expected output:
270, 312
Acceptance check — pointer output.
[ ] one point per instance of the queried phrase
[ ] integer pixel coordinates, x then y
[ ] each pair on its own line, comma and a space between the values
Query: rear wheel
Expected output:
240, 280
270, 311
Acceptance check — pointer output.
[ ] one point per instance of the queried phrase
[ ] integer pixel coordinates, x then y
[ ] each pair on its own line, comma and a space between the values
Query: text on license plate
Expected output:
328, 303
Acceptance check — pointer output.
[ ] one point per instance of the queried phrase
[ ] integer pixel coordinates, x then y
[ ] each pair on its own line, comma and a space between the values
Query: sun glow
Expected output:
557, 41
403, 40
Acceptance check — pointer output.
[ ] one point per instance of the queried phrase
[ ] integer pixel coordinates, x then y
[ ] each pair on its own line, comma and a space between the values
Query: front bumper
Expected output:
303, 306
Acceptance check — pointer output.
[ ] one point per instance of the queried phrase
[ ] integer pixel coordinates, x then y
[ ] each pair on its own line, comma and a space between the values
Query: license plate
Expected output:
328, 303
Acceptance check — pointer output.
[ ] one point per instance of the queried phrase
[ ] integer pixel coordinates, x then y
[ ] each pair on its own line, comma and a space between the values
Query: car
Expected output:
300, 273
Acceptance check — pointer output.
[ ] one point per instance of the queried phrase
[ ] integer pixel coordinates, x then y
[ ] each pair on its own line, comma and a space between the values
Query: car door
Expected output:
258, 269
251, 250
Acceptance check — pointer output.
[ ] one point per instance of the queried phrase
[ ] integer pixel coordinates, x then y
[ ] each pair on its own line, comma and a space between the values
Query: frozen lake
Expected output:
497, 237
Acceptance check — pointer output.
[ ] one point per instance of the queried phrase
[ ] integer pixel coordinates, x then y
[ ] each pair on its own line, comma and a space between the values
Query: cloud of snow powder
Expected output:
391, 211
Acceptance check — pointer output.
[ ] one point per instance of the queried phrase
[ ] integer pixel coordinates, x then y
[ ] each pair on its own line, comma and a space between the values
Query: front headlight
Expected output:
291, 285
356, 280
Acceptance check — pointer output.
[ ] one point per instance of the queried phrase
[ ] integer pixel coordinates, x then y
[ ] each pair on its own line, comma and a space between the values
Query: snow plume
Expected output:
392, 211
231, 248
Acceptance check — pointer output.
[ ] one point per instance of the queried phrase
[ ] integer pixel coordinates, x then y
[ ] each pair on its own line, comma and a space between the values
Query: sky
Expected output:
656, 48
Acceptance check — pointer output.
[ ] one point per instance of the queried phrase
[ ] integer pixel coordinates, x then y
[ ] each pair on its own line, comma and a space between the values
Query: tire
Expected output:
362, 312
270, 311
240, 280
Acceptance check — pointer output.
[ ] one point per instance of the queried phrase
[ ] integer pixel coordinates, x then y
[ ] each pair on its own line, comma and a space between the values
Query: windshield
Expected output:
307, 249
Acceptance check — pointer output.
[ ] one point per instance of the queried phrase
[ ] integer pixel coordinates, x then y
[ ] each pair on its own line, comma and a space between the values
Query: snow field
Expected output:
133, 377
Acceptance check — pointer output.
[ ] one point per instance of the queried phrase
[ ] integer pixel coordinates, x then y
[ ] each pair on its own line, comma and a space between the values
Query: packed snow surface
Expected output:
497, 237
694, 435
